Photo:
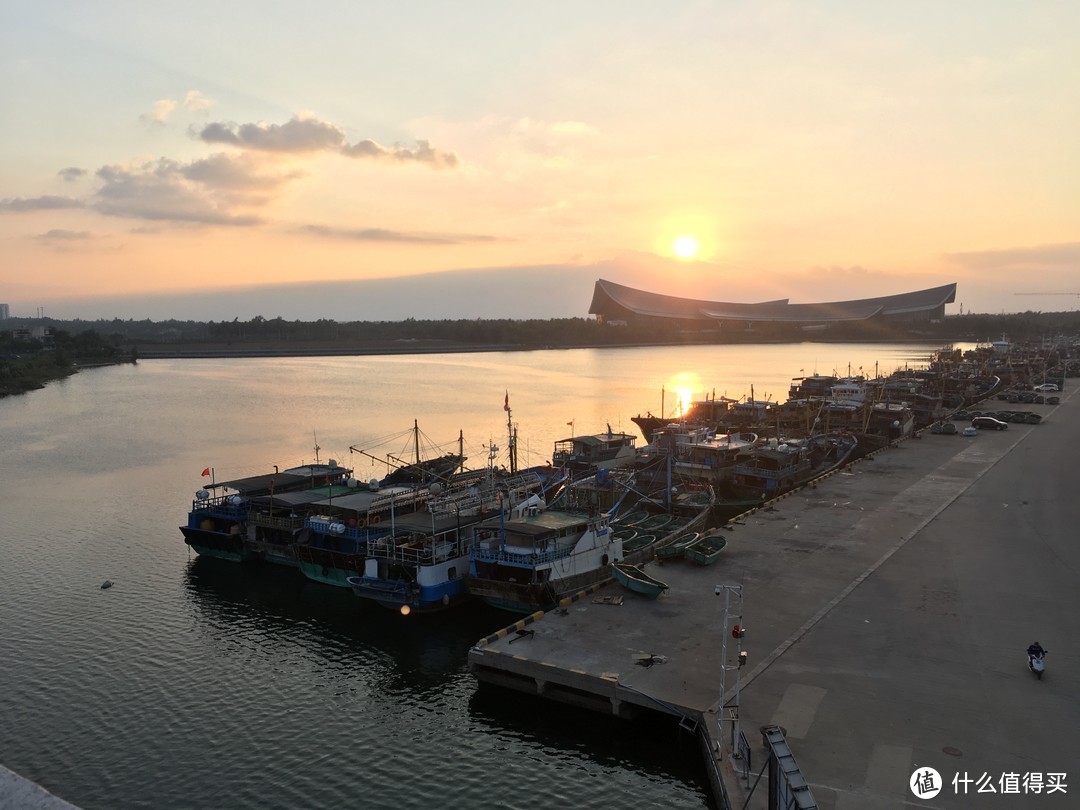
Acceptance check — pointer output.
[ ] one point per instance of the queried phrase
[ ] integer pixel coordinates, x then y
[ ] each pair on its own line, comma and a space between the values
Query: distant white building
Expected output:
4, 312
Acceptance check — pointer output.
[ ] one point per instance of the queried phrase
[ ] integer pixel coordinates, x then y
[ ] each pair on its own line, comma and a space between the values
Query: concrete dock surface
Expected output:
18, 793
888, 609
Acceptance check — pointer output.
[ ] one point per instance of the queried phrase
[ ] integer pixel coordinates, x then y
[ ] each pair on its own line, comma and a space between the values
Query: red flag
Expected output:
571, 424
506, 402
206, 471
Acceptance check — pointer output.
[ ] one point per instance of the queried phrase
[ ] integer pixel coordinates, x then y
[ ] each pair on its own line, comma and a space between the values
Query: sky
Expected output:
383, 160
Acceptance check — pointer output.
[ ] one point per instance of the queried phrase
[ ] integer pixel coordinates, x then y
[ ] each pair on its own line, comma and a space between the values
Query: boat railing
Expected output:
414, 555
271, 522
410, 498
764, 472
527, 559
221, 507
445, 507
322, 524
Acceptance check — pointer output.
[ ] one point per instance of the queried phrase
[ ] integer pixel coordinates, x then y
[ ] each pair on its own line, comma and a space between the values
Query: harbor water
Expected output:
196, 683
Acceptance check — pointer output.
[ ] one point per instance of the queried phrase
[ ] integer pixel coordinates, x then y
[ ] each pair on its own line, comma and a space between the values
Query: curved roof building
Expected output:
613, 301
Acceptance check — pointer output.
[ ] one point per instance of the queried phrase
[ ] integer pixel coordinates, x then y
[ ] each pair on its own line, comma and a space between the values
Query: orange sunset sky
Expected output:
367, 161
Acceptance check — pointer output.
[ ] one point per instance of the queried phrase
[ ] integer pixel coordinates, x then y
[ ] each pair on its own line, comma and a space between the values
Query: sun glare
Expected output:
685, 246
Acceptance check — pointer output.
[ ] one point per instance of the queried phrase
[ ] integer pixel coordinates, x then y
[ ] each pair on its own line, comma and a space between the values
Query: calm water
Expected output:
196, 683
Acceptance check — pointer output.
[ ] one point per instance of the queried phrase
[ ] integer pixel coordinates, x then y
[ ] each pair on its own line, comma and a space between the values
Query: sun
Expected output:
685, 246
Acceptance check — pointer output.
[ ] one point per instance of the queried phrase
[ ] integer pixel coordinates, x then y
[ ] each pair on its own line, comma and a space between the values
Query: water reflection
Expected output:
276, 607
653, 746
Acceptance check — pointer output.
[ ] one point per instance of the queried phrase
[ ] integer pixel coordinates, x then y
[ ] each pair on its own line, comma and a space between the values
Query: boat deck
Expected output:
888, 608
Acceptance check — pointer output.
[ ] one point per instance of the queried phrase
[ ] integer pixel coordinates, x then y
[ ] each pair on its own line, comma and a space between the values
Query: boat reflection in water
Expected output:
269, 609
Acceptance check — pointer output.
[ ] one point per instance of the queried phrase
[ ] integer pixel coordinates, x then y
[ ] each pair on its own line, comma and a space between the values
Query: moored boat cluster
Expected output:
431, 534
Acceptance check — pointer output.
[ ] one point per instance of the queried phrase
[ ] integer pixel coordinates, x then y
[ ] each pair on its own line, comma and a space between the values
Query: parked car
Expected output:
970, 431
1045, 387
989, 423
1053, 400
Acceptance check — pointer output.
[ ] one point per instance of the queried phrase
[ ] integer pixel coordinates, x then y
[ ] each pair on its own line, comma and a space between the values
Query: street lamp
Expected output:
737, 632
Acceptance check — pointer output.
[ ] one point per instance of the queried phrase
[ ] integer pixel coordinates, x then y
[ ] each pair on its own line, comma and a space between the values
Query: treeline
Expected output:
29, 363
554, 332
559, 332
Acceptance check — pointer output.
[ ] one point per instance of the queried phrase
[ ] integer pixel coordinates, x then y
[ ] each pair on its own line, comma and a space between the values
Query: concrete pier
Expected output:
18, 793
888, 610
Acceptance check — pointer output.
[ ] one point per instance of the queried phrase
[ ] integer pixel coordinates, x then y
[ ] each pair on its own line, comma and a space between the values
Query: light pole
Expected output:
737, 632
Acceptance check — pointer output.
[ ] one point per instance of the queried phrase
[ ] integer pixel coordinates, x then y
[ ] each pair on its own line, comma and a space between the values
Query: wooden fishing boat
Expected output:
632, 518
635, 579
706, 549
677, 547
654, 523
638, 542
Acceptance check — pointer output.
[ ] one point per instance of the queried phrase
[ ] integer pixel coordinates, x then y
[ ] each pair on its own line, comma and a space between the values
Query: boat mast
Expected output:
416, 440
511, 438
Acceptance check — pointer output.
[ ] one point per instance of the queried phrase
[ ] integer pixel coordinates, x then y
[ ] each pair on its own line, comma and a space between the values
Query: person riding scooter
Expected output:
1035, 652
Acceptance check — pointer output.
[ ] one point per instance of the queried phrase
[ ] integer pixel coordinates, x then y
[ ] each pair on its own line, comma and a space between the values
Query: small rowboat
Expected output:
638, 542
654, 523
633, 578
677, 547
632, 518
706, 550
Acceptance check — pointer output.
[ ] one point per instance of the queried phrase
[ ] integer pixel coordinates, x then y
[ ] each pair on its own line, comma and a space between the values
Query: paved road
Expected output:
888, 607
923, 664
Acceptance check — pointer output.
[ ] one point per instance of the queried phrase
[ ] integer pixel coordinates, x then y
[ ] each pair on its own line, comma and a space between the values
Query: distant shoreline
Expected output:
196, 351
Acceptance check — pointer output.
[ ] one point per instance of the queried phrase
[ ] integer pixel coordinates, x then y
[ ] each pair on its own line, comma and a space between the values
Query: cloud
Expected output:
423, 153
160, 112
1065, 253
61, 235
204, 191
71, 174
383, 235
48, 202
162, 109
295, 135
195, 101
308, 134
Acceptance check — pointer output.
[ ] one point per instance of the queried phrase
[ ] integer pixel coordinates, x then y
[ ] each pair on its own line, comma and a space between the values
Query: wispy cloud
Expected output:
162, 109
159, 113
384, 235
59, 234
71, 174
1065, 253
196, 101
210, 191
308, 134
48, 202
421, 153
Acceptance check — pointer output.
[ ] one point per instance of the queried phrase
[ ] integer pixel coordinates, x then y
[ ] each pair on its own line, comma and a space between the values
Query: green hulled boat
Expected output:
707, 548
677, 547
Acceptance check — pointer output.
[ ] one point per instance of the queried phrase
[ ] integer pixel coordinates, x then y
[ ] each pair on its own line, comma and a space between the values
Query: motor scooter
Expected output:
1036, 665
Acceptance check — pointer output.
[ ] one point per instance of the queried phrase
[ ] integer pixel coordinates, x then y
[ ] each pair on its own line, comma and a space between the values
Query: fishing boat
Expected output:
333, 544
531, 561
781, 466
636, 580
700, 453
421, 566
600, 451
551, 552
677, 547
706, 549
217, 524
710, 412
421, 471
